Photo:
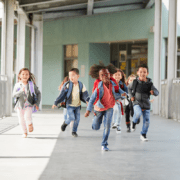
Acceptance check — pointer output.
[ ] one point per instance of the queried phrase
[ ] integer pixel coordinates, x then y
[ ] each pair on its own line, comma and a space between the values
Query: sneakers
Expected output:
138, 121
114, 126
24, 135
118, 130
74, 134
105, 148
31, 128
143, 137
128, 129
63, 127
133, 127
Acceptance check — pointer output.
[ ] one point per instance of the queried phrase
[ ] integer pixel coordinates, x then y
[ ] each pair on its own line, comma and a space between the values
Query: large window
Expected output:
70, 58
128, 56
178, 57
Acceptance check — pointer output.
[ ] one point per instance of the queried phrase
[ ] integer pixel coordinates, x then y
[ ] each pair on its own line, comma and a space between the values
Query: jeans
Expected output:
146, 118
117, 115
73, 114
65, 113
97, 121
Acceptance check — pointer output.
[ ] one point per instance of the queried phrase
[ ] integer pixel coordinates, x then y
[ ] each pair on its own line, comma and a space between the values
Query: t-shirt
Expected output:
75, 95
107, 100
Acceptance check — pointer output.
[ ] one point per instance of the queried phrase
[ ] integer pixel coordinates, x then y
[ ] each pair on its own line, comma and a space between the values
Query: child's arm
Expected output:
85, 94
125, 88
61, 96
120, 94
130, 91
91, 102
18, 91
154, 91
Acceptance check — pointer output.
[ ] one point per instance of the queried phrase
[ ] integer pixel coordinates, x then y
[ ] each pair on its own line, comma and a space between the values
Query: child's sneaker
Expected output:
63, 127
24, 135
128, 129
74, 134
31, 128
105, 148
143, 137
114, 126
138, 121
133, 127
118, 130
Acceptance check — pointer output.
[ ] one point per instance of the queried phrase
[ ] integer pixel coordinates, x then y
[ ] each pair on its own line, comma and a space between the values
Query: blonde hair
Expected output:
132, 75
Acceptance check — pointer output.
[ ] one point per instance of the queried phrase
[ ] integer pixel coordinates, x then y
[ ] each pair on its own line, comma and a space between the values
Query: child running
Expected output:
73, 92
128, 104
104, 97
24, 98
118, 107
140, 91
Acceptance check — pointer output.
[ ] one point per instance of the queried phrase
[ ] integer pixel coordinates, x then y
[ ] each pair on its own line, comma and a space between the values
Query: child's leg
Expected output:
115, 114
97, 120
119, 115
70, 114
28, 118
65, 113
137, 113
77, 119
146, 121
107, 124
127, 112
20, 113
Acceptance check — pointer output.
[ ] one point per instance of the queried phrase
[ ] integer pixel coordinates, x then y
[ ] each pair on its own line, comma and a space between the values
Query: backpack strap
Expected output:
31, 87
80, 87
135, 83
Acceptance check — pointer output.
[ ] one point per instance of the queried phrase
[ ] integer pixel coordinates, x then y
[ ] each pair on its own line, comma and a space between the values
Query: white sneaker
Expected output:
143, 138
118, 130
132, 129
114, 126
24, 135
104, 148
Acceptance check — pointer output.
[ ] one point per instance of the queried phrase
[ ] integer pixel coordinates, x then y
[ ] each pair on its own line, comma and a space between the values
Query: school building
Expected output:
51, 36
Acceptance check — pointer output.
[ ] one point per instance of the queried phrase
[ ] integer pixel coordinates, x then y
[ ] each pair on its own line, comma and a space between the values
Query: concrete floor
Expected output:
49, 154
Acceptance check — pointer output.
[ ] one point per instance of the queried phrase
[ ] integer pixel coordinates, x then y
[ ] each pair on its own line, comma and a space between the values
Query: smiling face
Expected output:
104, 75
142, 73
117, 76
73, 77
24, 76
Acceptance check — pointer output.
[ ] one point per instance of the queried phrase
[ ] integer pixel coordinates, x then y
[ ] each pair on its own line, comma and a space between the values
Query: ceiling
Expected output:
65, 8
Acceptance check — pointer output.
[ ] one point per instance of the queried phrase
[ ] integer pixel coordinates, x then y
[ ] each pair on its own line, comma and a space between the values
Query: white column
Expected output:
21, 27
32, 50
157, 54
7, 50
38, 23
171, 54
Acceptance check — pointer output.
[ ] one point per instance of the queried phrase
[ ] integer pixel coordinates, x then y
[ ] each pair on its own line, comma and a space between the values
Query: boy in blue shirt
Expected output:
73, 92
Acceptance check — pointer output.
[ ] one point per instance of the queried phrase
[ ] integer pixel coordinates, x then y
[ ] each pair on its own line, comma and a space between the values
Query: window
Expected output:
70, 58
128, 56
178, 57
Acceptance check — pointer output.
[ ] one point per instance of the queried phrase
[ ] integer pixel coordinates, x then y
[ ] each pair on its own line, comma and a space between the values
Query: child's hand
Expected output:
132, 99
53, 106
23, 88
152, 100
87, 113
124, 94
152, 92
37, 108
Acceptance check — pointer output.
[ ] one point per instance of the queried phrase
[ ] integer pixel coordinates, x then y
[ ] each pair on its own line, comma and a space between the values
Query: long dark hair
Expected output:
65, 80
31, 76
122, 74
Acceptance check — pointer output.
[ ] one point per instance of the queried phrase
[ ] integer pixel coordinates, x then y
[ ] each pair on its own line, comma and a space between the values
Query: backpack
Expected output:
32, 97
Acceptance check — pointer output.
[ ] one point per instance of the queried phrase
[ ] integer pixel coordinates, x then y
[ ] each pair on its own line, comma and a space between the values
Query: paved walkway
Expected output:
49, 154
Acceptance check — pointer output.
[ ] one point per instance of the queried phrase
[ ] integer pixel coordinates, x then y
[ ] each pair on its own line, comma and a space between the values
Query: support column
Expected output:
7, 50
20, 43
157, 54
171, 54
38, 23
32, 50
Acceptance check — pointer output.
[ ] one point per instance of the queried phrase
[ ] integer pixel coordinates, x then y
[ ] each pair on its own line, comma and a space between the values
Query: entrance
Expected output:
127, 56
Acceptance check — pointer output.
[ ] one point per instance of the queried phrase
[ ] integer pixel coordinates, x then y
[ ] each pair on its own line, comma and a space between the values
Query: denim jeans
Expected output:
65, 113
117, 115
146, 118
97, 121
73, 114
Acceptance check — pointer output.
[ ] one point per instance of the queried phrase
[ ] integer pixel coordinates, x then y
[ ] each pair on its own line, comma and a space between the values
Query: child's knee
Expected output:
95, 126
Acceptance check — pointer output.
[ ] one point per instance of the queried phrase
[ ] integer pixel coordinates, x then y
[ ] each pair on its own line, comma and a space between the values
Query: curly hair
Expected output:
95, 68
31, 76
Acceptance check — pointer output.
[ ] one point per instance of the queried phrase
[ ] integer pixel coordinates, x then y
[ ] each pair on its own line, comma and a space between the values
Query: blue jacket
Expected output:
66, 94
101, 93
125, 87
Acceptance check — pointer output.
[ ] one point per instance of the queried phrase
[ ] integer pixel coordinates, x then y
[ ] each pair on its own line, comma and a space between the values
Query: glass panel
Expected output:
178, 66
68, 51
178, 44
75, 50
165, 17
